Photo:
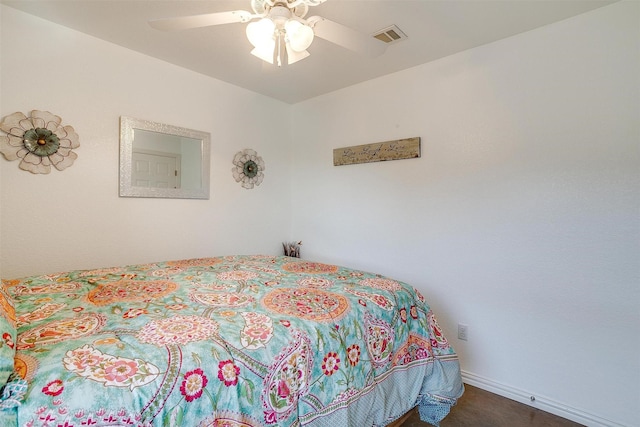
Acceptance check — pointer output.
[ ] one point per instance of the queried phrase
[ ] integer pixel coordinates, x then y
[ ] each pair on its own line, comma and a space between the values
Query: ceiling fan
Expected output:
278, 30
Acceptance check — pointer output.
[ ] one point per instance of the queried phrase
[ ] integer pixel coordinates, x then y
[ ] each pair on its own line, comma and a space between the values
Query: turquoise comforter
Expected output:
230, 341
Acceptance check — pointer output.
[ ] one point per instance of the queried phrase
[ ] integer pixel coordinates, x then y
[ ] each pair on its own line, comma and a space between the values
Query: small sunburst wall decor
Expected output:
248, 168
39, 141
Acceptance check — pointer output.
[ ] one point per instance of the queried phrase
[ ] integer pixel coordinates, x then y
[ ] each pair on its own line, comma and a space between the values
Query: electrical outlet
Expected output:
463, 331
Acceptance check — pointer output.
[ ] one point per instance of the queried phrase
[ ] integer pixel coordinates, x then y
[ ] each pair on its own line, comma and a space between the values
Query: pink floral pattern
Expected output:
414, 312
315, 282
177, 330
47, 288
378, 299
120, 370
61, 330
380, 340
237, 275
287, 379
53, 388
415, 348
228, 372
226, 299
130, 290
134, 312
112, 371
382, 284
330, 363
310, 304
307, 267
40, 313
438, 339
353, 354
193, 384
257, 332
195, 262
403, 315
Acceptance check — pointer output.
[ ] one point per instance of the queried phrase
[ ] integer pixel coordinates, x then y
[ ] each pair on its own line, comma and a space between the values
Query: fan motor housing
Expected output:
279, 14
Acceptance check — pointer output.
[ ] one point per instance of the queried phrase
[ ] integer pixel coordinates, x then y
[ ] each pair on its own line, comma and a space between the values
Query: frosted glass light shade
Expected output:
265, 52
293, 56
260, 33
300, 36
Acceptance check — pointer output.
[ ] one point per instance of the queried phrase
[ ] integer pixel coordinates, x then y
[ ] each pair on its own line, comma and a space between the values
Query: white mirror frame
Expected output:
127, 126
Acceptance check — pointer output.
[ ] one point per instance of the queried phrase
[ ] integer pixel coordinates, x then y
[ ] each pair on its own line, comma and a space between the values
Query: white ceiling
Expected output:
435, 28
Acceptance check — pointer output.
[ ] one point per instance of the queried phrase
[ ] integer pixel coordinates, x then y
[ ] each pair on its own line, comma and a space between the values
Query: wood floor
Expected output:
479, 408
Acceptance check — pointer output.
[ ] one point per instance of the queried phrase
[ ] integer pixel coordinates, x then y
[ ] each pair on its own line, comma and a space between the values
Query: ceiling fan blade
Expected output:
198, 21
346, 37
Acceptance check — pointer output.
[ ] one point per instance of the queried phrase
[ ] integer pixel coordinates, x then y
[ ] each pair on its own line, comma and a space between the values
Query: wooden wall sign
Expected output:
408, 148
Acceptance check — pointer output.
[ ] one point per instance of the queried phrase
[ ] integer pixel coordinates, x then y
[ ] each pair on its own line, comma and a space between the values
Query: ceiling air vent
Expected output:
391, 34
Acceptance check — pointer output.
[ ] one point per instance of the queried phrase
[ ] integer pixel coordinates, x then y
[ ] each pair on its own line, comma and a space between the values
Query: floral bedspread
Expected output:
230, 341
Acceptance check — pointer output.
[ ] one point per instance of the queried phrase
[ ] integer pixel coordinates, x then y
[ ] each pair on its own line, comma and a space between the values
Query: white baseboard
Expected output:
540, 402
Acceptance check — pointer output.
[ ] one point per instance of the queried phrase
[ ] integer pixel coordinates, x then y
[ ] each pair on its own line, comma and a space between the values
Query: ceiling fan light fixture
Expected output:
280, 33
280, 38
260, 33
299, 35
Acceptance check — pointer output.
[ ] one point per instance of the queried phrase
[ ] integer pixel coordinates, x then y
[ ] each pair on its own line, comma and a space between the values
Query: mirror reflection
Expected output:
158, 160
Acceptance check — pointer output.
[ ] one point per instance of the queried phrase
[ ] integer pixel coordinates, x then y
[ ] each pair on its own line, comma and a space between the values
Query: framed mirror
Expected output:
158, 160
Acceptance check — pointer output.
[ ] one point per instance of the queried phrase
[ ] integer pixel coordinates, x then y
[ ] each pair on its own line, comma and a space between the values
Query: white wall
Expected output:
74, 218
521, 217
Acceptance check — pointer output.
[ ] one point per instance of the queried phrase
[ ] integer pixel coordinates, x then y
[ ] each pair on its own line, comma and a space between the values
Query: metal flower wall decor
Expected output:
39, 141
248, 168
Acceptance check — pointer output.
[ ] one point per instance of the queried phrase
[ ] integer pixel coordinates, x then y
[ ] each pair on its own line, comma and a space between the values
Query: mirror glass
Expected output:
158, 160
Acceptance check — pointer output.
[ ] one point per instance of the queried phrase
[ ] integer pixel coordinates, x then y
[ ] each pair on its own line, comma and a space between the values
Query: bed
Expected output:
227, 341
